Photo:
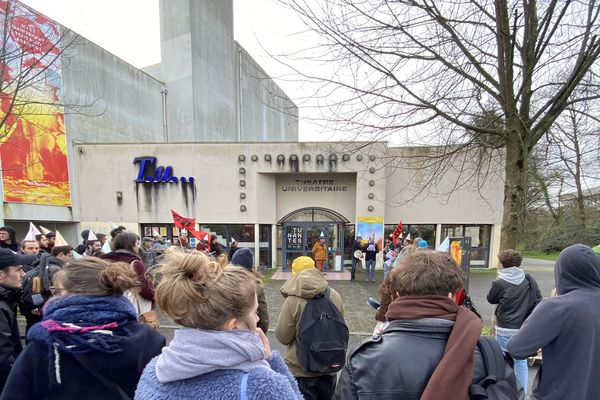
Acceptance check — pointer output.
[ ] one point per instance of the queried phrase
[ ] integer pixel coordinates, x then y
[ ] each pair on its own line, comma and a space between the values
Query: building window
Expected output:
480, 240
424, 231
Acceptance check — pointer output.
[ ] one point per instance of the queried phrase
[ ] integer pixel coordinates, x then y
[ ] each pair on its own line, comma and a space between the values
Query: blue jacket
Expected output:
275, 383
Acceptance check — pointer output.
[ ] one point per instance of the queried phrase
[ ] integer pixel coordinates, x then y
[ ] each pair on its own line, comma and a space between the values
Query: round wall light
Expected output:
371, 196
242, 195
242, 170
241, 158
370, 208
345, 157
243, 208
254, 157
371, 183
372, 157
320, 159
267, 157
372, 170
333, 157
242, 182
359, 157
306, 157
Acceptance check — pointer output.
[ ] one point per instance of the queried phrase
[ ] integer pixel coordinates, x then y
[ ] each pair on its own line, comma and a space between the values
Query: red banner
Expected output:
397, 233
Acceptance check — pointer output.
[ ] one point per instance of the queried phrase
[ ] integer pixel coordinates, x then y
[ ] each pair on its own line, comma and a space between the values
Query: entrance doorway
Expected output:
302, 228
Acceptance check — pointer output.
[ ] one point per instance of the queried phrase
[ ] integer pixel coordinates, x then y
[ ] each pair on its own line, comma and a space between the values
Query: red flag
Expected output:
189, 224
397, 233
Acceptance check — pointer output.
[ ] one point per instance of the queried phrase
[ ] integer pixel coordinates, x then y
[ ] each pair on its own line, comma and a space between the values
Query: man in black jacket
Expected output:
428, 351
11, 274
516, 294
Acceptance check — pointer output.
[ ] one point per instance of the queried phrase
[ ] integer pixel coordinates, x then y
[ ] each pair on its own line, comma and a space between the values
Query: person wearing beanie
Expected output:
51, 236
8, 238
422, 244
83, 246
306, 283
301, 263
244, 258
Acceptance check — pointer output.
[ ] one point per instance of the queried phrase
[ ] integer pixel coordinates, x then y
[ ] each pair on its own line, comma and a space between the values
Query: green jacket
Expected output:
297, 291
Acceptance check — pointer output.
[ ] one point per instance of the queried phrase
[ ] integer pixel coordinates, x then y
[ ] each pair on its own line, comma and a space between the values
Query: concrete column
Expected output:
494, 246
273, 246
256, 244
438, 236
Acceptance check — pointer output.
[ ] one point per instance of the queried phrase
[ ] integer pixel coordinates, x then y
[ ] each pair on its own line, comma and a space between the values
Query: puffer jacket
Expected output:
398, 363
516, 294
298, 290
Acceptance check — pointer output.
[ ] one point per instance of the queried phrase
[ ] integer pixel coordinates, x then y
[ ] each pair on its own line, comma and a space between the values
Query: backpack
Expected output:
35, 286
496, 385
323, 336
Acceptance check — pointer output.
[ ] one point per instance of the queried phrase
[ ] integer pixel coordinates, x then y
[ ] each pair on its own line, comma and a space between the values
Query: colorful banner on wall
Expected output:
33, 146
370, 228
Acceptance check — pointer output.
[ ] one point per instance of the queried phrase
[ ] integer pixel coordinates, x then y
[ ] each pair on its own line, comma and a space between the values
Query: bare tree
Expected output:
426, 71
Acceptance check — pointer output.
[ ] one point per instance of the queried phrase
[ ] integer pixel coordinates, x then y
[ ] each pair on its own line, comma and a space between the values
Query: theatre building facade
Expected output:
207, 133
278, 198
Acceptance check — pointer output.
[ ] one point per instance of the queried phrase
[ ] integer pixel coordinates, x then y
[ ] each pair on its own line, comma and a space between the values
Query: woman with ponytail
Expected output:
89, 344
219, 353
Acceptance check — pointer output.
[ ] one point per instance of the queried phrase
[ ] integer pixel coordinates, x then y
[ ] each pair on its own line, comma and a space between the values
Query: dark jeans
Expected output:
319, 388
355, 261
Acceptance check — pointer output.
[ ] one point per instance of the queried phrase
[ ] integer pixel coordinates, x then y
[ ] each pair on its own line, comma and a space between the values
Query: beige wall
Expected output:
105, 170
332, 191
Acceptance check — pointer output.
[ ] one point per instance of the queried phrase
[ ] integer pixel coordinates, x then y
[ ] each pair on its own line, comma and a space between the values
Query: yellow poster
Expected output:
370, 228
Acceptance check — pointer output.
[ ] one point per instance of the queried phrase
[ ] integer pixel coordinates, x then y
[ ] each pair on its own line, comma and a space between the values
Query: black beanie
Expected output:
244, 258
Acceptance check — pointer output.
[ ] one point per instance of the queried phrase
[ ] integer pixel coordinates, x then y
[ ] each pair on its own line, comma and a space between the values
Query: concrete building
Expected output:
209, 116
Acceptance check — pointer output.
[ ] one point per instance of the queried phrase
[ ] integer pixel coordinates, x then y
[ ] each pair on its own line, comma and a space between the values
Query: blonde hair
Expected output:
97, 277
197, 292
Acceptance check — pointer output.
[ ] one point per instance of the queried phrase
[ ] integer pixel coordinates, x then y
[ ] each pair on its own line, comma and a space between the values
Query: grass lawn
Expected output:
267, 274
540, 255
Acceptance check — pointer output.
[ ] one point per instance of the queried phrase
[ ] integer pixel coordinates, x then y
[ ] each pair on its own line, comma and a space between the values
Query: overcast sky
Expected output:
130, 30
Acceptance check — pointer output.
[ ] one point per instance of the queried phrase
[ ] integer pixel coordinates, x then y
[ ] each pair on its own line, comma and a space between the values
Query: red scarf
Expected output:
454, 373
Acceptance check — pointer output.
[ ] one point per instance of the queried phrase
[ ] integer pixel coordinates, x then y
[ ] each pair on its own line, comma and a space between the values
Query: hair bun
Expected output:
118, 278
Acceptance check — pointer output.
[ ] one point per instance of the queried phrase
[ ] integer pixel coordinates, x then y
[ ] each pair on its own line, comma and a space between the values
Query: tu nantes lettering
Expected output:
149, 172
314, 185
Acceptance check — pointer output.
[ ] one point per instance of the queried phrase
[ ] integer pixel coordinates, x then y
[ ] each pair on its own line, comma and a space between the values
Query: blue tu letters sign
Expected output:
149, 172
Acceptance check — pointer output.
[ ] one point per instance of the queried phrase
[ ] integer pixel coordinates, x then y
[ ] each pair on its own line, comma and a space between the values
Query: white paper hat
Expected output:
31, 234
92, 235
59, 240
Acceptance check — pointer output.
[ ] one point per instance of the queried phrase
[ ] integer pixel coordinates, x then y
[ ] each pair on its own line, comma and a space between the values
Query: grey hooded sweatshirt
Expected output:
567, 329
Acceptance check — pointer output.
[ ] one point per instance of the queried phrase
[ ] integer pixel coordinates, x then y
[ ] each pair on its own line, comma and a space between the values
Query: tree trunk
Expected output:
514, 189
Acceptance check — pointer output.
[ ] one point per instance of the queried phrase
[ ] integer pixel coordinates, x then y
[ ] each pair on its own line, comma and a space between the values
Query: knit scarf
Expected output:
454, 373
80, 324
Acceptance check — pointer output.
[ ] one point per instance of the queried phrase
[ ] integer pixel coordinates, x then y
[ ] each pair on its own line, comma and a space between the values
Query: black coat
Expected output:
398, 363
29, 378
10, 339
515, 302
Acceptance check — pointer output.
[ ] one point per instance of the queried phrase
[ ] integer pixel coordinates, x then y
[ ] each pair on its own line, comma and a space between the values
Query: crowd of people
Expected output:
87, 337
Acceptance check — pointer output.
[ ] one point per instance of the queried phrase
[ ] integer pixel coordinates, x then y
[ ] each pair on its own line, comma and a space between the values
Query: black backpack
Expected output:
499, 383
323, 336
35, 286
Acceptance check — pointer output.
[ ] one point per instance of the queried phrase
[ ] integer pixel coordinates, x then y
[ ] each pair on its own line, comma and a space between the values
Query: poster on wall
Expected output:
370, 228
294, 237
33, 146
